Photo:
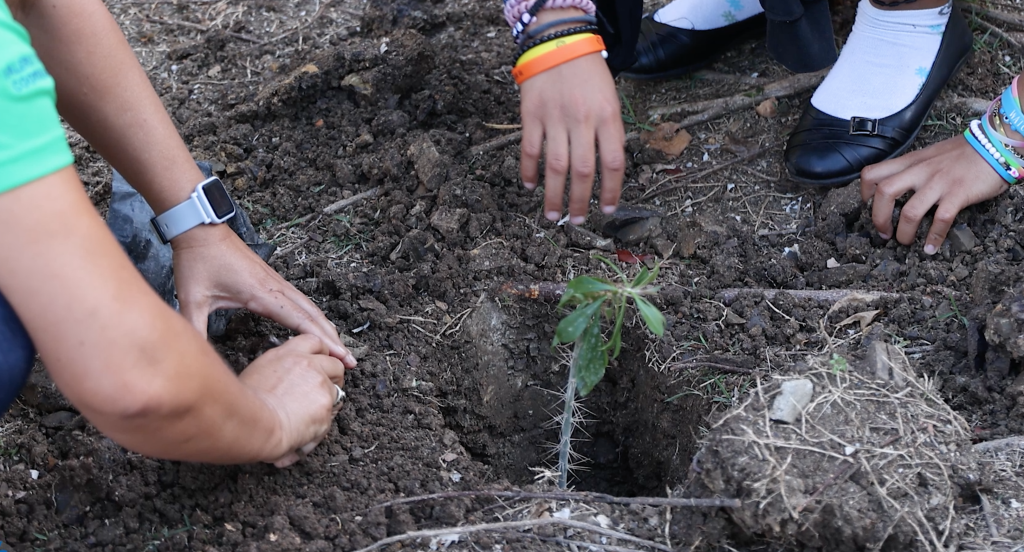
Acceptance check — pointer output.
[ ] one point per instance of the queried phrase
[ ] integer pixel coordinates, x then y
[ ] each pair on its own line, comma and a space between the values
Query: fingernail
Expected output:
608, 209
576, 221
529, 185
351, 359
884, 236
929, 249
553, 216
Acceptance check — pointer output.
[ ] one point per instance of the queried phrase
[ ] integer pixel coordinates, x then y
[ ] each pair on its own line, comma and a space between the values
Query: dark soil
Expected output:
456, 387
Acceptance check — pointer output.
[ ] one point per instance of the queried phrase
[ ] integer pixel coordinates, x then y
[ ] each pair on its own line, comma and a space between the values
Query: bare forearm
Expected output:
126, 360
106, 96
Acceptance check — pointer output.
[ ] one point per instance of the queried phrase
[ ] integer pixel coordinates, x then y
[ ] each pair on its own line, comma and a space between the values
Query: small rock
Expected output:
664, 247
768, 108
363, 140
796, 394
734, 319
58, 419
961, 238
431, 167
583, 238
448, 221
630, 224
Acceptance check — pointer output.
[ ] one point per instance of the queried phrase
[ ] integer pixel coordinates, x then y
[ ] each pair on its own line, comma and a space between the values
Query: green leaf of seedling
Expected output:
573, 325
652, 316
642, 278
586, 284
591, 358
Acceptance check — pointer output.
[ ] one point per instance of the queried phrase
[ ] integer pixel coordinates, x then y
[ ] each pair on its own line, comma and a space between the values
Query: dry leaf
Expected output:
667, 138
865, 318
768, 108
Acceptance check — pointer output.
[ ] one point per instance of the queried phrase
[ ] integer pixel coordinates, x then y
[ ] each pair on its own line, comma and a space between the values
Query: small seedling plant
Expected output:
598, 302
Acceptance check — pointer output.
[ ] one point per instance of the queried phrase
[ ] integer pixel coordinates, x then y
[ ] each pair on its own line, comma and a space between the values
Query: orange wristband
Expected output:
556, 57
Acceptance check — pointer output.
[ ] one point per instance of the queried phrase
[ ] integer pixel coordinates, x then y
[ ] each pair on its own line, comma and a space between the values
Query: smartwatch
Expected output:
208, 204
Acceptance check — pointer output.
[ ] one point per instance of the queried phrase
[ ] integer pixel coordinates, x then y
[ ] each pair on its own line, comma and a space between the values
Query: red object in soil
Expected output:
627, 256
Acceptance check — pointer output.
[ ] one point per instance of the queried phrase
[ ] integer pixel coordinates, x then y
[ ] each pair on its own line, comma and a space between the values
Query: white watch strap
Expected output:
181, 218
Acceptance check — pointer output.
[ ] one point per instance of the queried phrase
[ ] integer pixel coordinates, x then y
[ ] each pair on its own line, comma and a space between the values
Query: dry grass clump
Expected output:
872, 463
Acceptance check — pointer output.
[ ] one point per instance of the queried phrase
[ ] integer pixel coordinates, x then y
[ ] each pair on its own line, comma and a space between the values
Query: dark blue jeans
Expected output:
17, 355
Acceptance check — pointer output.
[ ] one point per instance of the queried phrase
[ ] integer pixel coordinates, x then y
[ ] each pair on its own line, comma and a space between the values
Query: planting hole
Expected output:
640, 432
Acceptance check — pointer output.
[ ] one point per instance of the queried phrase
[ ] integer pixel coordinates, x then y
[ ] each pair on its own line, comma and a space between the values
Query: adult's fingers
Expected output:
583, 168
611, 140
197, 312
312, 345
284, 310
556, 165
530, 150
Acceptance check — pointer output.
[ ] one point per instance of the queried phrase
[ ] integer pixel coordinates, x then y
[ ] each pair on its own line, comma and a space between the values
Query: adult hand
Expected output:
570, 107
214, 270
297, 381
949, 175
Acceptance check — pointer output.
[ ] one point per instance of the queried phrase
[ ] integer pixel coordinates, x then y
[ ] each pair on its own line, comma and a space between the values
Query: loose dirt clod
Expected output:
868, 466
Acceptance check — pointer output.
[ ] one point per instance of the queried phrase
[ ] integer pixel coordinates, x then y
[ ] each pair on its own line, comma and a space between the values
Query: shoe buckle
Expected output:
863, 126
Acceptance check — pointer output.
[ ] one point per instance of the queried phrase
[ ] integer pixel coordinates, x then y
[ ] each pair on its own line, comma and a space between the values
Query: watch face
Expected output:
218, 198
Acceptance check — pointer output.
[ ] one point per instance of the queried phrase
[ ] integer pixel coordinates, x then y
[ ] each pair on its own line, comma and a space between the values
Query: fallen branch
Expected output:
712, 109
578, 496
994, 15
999, 33
823, 295
339, 205
986, 508
1000, 445
511, 525
497, 143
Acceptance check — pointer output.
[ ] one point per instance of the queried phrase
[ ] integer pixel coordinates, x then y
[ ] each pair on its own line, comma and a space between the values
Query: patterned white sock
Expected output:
884, 63
702, 15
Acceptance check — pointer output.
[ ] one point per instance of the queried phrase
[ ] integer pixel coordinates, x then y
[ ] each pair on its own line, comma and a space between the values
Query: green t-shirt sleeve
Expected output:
32, 141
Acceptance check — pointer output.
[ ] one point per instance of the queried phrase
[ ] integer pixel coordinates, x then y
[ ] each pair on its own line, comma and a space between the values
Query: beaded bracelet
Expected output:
514, 9
976, 138
526, 18
589, 45
533, 33
1012, 157
555, 36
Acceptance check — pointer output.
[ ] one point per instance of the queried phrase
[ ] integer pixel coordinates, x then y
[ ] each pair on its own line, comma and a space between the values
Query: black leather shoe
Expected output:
827, 151
664, 51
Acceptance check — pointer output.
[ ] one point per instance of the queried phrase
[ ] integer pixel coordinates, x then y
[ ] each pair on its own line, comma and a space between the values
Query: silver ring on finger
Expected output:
340, 394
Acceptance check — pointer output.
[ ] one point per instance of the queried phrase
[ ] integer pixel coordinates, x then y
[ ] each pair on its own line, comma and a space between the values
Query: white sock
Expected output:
702, 15
884, 63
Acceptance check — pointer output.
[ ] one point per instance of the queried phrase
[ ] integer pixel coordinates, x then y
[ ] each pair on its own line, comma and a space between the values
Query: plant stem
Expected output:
569, 401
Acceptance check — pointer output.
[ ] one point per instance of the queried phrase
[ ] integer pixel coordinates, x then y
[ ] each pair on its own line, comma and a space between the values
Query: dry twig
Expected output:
339, 205
497, 143
712, 109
